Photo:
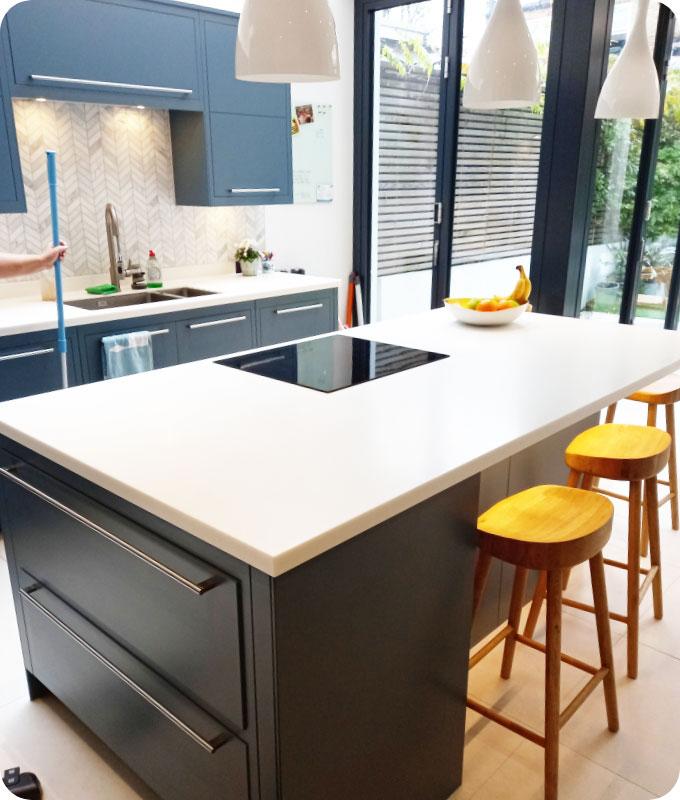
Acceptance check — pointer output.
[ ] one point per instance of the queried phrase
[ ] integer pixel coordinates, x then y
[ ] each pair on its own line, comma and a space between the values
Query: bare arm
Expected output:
12, 266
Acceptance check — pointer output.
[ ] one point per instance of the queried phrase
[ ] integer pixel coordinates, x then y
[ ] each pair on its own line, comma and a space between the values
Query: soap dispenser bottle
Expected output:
154, 276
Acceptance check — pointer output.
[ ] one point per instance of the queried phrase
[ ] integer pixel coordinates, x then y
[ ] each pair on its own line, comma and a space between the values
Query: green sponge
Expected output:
105, 288
154, 285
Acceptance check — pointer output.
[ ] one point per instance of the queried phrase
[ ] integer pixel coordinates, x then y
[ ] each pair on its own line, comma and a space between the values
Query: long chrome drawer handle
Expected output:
298, 309
198, 589
164, 332
255, 191
110, 84
217, 322
46, 352
211, 747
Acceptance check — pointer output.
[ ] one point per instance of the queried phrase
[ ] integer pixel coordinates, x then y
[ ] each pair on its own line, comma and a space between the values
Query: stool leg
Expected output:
536, 603
651, 414
516, 603
481, 576
673, 468
611, 413
604, 638
652, 502
633, 577
552, 684
588, 483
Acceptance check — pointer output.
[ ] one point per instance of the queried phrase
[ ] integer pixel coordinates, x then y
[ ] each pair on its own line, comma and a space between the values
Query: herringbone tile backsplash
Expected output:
110, 154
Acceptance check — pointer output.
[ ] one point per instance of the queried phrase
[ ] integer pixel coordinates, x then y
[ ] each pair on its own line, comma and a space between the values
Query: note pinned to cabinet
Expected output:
312, 128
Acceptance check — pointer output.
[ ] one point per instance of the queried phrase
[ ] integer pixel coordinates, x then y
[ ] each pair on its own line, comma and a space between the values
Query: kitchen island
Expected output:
249, 589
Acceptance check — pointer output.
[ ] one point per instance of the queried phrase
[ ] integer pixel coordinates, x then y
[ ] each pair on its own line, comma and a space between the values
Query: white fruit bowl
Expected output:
486, 318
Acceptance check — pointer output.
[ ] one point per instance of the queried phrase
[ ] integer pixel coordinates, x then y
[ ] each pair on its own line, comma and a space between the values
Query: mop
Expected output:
56, 241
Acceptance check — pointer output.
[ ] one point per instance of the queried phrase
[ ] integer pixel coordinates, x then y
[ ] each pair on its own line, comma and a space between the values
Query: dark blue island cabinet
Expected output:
343, 678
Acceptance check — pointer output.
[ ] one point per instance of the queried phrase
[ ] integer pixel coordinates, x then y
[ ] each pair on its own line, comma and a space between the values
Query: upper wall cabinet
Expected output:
12, 197
240, 153
124, 52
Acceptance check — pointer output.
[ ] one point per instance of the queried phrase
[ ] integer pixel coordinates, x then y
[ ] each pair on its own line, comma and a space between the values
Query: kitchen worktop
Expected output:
23, 316
276, 474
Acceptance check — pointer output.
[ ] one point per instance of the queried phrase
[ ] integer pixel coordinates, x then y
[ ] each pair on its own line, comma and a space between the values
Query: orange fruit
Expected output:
487, 305
507, 304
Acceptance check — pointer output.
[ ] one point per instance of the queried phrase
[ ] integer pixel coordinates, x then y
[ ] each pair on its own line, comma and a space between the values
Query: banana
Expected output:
522, 290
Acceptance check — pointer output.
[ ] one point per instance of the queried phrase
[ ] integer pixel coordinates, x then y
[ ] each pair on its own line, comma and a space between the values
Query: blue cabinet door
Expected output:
285, 319
85, 49
225, 92
164, 339
30, 364
12, 197
221, 331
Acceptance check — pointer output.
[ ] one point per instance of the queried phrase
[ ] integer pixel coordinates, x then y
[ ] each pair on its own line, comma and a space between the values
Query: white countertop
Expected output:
17, 316
275, 474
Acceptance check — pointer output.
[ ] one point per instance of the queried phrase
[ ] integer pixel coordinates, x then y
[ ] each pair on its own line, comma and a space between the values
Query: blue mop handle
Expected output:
56, 241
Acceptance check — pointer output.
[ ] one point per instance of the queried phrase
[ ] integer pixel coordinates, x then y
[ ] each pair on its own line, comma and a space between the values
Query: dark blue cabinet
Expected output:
163, 337
219, 332
284, 319
111, 52
30, 364
12, 197
240, 151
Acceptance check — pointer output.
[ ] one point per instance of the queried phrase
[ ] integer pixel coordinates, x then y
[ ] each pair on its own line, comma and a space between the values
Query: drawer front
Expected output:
32, 366
251, 159
163, 338
176, 748
296, 317
226, 330
178, 614
124, 54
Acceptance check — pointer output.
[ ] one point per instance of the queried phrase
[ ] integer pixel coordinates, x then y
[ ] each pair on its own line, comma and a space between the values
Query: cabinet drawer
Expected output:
226, 330
296, 317
163, 338
178, 614
251, 158
108, 52
31, 366
178, 749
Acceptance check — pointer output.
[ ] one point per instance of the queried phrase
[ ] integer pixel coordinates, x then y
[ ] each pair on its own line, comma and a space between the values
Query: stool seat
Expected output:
663, 392
620, 452
547, 527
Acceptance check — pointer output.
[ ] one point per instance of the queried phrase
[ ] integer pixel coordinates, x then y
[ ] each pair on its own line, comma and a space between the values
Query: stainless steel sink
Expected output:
185, 291
137, 299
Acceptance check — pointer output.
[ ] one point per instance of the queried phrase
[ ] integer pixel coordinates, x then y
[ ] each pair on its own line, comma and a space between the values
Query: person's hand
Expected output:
53, 254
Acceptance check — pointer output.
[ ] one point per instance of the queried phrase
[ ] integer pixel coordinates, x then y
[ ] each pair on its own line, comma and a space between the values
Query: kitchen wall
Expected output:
123, 156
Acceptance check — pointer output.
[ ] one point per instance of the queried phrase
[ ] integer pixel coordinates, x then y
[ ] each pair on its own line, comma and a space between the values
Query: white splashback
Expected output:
119, 155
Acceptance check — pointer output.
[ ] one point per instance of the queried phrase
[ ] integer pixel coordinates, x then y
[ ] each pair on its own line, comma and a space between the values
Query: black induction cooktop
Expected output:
331, 363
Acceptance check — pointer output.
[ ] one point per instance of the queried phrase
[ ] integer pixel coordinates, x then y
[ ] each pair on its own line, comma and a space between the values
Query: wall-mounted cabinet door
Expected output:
251, 159
90, 50
12, 197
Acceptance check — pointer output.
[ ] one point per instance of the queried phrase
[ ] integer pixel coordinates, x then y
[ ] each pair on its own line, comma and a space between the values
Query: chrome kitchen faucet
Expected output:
117, 266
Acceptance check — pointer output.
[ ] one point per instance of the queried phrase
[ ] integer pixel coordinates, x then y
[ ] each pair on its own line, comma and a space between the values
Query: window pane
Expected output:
618, 162
408, 54
497, 173
664, 219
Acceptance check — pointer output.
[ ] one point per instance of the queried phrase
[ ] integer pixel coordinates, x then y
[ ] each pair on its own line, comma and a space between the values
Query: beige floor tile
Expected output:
521, 778
43, 737
12, 676
646, 751
664, 635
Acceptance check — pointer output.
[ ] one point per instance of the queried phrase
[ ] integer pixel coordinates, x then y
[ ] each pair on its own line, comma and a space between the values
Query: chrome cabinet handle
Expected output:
30, 354
164, 332
254, 191
110, 84
196, 588
198, 325
299, 309
211, 746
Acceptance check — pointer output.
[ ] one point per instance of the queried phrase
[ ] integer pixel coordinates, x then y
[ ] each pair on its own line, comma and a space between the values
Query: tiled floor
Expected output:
641, 761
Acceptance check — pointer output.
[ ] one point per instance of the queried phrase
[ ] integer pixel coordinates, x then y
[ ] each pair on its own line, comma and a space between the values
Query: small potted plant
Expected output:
249, 259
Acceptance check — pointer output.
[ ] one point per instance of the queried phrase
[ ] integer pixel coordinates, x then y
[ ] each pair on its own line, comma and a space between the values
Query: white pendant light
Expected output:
286, 41
631, 90
504, 70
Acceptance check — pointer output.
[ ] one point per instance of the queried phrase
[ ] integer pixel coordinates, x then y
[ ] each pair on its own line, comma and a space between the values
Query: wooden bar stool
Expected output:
550, 528
634, 454
664, 392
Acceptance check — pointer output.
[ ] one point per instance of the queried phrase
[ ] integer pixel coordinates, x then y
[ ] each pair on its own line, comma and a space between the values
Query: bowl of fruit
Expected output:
492, 311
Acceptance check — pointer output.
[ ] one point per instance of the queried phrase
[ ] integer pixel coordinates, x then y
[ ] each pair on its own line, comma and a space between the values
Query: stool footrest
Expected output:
583, 695
567, 659
566, 601
506, 722
492, 644
651, 574
608, 493
622, 565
